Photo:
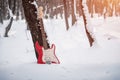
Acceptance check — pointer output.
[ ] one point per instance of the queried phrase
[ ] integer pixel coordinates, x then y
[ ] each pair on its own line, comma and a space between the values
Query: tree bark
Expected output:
66, 14
73, 13
1, 18
33, 22
91, 40
11, 20
1, 11
8, 27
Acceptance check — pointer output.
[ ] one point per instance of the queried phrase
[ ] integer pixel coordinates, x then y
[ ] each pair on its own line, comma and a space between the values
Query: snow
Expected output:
78, 60
34, 3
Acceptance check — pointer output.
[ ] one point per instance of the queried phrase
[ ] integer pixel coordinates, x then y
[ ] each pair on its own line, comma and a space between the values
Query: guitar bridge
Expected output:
47, 60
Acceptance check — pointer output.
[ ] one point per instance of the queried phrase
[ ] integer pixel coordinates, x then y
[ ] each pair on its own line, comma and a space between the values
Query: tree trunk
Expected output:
66, 14
1, 11
73, 13
18, 9
91, 40
8, 27
1, 18
33, 23
22, 13
11, 20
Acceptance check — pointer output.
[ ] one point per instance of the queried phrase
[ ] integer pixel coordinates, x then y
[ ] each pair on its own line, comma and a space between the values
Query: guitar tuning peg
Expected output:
40, 12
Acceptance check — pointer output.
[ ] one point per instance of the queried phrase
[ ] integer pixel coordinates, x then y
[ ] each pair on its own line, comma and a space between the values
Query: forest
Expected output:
21, 9
59, 39
31, 10
54, 7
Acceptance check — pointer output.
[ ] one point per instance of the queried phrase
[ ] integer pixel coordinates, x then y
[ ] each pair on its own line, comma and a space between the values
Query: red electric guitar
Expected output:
45, 55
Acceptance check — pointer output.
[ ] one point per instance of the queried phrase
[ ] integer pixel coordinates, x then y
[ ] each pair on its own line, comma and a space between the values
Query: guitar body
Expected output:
40, 53
46, 56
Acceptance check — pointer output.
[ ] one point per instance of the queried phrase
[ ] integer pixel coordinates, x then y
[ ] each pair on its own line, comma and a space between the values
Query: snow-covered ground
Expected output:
78, 60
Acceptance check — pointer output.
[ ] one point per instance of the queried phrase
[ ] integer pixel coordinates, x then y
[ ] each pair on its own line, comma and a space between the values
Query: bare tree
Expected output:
11, 9
73, 13
1, 11
8, 27
1, 18
66, 14
90, 38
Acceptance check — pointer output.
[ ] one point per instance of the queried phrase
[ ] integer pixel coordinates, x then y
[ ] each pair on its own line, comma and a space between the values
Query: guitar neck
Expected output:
44, 39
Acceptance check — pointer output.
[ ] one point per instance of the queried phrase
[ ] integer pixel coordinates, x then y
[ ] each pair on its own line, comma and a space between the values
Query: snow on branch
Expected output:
34, 3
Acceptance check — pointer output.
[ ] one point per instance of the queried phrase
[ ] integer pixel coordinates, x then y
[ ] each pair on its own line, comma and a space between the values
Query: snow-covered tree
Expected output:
88, 26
